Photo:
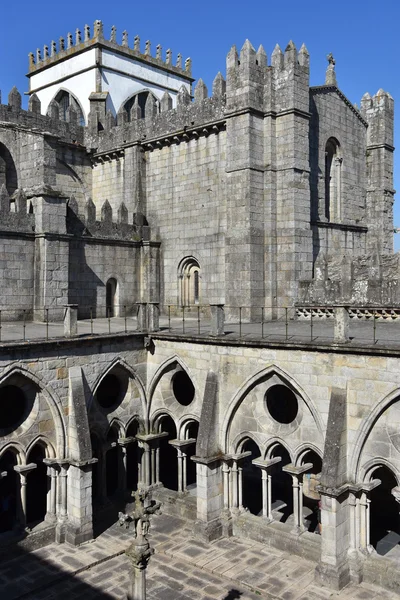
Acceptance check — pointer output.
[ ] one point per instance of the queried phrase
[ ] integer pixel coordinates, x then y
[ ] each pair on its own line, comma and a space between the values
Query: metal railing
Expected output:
319, 325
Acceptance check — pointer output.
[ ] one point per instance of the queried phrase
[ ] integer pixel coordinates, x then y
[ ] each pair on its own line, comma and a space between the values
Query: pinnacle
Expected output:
303, 49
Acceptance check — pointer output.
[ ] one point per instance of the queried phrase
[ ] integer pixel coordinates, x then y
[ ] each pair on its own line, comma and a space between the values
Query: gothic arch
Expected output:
52, 400
303, 449
117, 424
366, 429
185, 423
121, 363
241, 440
45, 443
367, 470
158, 416
254, 380
273, 443
162, 370
143, 93
82, 120
18, 450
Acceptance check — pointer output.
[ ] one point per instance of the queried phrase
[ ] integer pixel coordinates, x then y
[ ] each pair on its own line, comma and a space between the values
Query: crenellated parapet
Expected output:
88, 223
163, 124
83, 40
254, 83
15, 116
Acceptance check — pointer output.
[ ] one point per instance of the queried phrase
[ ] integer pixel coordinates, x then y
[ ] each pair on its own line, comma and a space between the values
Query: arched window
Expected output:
189, 279
64, 100
138, 101
333, 180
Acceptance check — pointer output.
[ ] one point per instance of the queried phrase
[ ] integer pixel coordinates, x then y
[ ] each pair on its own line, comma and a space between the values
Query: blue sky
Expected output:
362, 35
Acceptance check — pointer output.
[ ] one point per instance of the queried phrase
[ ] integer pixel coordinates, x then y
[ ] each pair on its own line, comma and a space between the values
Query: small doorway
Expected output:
111, 297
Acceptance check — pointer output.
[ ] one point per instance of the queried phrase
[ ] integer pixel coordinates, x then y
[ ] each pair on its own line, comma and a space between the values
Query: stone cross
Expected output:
139, 552
330, 77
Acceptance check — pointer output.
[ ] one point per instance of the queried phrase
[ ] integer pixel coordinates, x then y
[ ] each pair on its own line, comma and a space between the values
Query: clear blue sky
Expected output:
363, 36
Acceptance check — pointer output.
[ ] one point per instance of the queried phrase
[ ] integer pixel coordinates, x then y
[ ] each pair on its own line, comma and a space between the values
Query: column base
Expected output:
75, 536
60, 533
356, 567
208, 531
335, 577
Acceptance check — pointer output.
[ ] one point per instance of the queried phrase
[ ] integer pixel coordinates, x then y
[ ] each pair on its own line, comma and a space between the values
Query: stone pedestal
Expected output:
71, 320
79, 528
341, 326
333, 569
217, 319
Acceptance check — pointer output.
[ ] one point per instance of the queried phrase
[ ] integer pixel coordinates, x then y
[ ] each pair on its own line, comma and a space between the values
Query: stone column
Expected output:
52, 473
71, 320
237, 481
266, 466
182, 447
225, 475
365, 519
297, 476
23, 471
149, 467
217, 319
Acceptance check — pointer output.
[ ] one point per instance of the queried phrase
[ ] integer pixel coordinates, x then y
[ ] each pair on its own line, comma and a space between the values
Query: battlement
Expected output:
14, 115
163, 125
75, 44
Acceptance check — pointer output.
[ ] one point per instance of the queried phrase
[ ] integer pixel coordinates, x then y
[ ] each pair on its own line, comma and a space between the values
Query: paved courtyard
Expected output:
182, 568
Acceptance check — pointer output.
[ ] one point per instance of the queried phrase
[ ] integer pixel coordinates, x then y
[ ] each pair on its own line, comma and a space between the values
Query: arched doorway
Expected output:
311, 496
112, 461
37, 486
281, 483
111, 297
251, 478
168, 461
385, 519
132, 457
9, 491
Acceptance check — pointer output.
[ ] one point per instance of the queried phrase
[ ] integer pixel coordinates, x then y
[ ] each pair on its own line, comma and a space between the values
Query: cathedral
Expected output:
128, 191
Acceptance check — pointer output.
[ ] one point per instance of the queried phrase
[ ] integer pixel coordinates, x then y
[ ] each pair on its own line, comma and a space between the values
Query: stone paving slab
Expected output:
183, 568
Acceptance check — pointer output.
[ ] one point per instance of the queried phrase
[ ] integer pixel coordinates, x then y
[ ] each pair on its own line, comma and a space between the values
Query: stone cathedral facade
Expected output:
126, 184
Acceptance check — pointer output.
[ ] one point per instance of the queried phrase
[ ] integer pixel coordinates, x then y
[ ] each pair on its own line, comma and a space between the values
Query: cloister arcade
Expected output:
147, 437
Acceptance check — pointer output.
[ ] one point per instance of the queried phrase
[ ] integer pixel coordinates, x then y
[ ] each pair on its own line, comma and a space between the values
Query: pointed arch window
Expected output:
138, 102
333, 180
64, 100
